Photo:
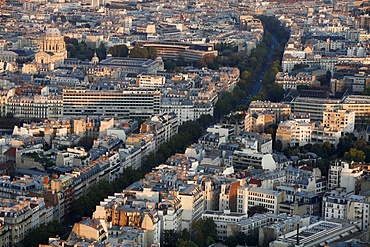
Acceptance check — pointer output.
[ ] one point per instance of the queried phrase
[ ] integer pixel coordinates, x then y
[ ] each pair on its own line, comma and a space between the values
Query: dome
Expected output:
95, 59
361, 52
52, 32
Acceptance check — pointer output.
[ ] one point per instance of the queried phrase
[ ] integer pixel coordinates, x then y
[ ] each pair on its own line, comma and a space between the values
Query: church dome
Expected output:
95, 59
52, 32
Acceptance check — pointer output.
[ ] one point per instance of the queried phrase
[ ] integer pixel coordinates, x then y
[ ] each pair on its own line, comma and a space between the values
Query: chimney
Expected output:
298, 233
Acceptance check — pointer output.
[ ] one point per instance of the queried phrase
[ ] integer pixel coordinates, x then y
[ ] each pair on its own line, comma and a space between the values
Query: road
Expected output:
257, 83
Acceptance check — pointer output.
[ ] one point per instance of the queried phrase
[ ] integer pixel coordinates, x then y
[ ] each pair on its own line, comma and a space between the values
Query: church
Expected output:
52, 50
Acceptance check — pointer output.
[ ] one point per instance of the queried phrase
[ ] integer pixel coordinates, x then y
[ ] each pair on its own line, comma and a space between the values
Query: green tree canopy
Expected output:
41, 234
205, 232
152, 53
118, 51
354, 155
139, 52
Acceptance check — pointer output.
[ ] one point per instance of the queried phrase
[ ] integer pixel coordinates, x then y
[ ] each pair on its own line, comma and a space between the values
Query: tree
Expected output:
186, 243
41, 234
205, 232
86, 142
275, 92
354, 155
245, 75
139, 52
359, 145
299, 66
169, 65
201, 64
241, 238
257, 210
152, 53
367, 91
118, 51
278, 146
101, 51
170, 238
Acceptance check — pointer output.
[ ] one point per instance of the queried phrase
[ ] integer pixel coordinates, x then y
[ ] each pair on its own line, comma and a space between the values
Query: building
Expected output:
317, 234
36, 106
163, 126
170, 214
247, 158
345, 175
313, 106
335, 204
183, 108
52, 50
294, 133
222, 219
358, 210
262, 143
341, 120
268, 199
110, 101
117, 67
90, 229
258, 121
150, 81
174, 50
282, 111
192, 200
288, 81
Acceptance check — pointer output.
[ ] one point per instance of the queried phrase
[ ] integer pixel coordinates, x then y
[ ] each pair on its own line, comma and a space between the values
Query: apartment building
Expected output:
170, 214
247, 158
222, 219
128, 209
294, 133
130, 156
17, 216
192, 200
154, 81
355, 83
268, 199
335, 204
118, 67
289, 81
183, 108
120, 103
341, 120
36, 106
299, 132
282, 111
228, 195
163, 126
20, 187
339, 204
90, 229
360, 104
4, 233
345, 175
252, 224
145, 142
258, 121
358, 210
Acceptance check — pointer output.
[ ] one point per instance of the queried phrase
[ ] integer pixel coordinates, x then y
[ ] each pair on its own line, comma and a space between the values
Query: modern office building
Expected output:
175, 50
111, 101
